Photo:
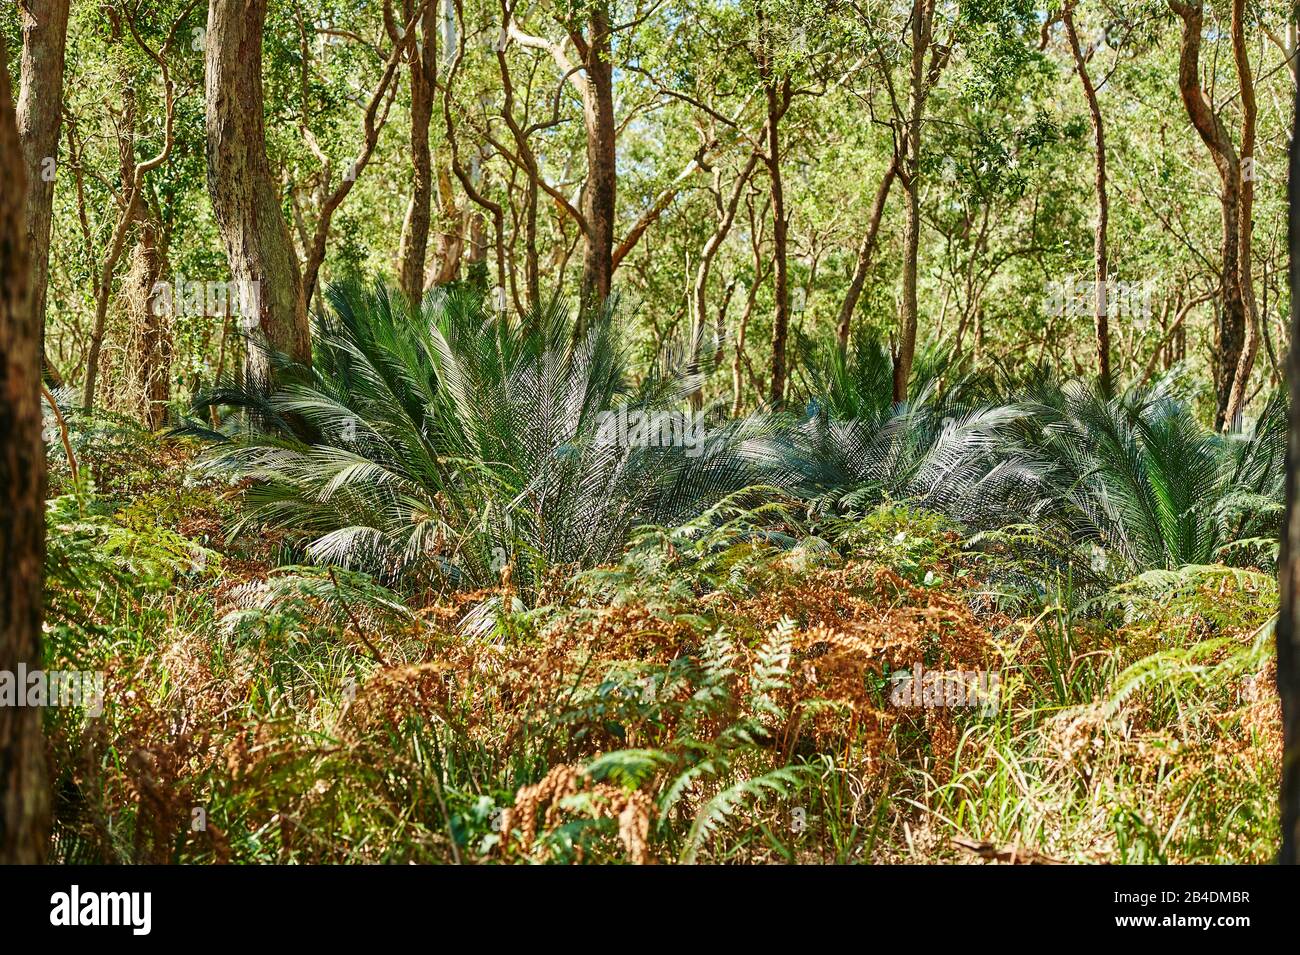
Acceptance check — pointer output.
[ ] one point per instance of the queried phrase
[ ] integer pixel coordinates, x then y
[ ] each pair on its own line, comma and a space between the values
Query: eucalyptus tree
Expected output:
244, 189
1101, 272
1206, 116
24, 795
40, 99
1288, 622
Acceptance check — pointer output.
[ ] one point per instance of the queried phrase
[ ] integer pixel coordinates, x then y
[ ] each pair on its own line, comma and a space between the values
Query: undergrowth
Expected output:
722, 692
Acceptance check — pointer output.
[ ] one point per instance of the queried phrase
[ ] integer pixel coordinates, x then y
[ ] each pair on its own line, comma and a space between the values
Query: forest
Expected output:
648, 432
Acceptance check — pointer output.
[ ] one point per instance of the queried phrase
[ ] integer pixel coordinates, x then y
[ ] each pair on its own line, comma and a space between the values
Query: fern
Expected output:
779, 783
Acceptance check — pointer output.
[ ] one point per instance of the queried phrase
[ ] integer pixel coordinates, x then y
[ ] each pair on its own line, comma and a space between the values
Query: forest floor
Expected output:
720, 695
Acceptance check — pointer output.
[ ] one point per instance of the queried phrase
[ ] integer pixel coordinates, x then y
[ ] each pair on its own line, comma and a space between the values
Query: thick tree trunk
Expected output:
1101, 320
1231, 332
598, 196
24, 796
423, 70
151, 353
148, 326
450, 243
1288, 622
244, 194
40, 110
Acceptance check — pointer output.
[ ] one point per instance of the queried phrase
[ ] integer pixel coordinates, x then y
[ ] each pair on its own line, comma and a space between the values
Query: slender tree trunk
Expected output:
726, 213
104, 280
423, 70
1209, 126
905, 352
244, 194
40, 110
451, 244
1101, 320
476, 253
739, 358
598, 196
780, 262
253, 150
148, 324
1288, 621
532, 258
472, 180
24, 794
777, 92
1245, 226
863, 265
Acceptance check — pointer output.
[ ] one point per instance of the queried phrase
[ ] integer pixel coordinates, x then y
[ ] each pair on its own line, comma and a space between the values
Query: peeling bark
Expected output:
599, 193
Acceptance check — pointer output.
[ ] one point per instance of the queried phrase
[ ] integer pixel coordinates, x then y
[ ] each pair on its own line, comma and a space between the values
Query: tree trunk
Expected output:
244, 194
40, 110
598, 196
1288, 621
739, 359
132, 175
151, 336
148, 324
777, 92
1101, 320
1231, 330
476, 253
423, 70
1245, 227
450, 242
922, 35
24, 794
532, 259
863, 264
726, 216
780, 258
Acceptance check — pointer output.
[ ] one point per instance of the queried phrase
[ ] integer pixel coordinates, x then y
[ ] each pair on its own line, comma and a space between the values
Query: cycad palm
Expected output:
452, 441
1139, 475
942, 448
